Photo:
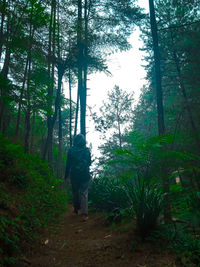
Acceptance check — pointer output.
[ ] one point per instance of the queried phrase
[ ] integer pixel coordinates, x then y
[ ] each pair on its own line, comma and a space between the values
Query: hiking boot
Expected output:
75, 211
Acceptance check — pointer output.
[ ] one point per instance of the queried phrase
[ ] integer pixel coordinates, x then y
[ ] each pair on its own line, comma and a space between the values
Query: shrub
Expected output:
147, 202
180, 241
107, 194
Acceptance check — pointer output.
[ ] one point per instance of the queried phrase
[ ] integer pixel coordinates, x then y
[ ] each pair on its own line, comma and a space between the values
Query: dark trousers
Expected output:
80, 195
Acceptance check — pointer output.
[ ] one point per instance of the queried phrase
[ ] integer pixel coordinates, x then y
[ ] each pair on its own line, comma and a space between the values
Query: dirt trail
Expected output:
91, 243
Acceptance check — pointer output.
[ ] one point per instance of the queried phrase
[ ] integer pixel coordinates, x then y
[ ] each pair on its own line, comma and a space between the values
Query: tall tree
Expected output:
159, 91
159, 95
51, 69
36, 63
96, 37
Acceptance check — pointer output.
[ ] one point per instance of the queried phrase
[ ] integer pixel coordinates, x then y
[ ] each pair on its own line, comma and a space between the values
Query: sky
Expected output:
125, 67
127, 73
126, 70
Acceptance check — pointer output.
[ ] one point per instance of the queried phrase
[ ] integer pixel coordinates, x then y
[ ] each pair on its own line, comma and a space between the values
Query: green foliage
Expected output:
191, 214
128, 198
147, 157
147, 202
145, 164
178, 32
180, 241
31, 198
9, 236
107, 194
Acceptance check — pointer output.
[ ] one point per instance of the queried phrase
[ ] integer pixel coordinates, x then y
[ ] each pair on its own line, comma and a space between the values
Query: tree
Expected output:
159, 91
177, 31
44, 41
96, 35
115, 117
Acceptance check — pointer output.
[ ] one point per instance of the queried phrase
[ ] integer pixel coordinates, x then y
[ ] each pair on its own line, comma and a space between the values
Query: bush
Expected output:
137, 197
147, 202
180, 241
107, 194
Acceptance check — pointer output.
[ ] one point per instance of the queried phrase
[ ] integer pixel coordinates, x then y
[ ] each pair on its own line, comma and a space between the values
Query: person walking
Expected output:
77, 170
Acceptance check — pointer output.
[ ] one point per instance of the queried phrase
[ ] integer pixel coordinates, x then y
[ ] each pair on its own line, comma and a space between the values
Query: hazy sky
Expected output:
127, 73
126, 70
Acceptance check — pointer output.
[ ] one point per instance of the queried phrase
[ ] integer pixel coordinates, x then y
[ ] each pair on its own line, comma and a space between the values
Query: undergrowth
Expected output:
179, 240
148, 165
31, 198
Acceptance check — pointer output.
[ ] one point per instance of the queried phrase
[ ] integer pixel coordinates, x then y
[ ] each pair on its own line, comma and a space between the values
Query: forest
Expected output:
147, 177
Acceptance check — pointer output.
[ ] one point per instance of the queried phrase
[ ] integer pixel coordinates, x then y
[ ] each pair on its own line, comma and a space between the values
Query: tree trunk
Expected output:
80, 67
6, 121
50, 143
3, 76
79, 61
2, 26
159, 93
119, 130
83, 102
160, 112
28, 112
60, 133
49, 140
70, 109
20, 101
28, 96
27, 130
57, 104
57, 100
32, 133
4, 90
77, 111
60, 136
183, 90
85, 67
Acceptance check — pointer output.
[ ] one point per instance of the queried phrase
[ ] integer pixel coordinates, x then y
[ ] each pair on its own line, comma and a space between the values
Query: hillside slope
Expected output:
30, 199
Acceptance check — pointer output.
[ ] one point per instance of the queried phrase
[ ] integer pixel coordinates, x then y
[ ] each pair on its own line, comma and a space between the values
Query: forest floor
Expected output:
75, 243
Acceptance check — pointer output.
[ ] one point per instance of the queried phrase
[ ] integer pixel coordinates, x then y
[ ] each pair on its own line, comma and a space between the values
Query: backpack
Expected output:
80, 162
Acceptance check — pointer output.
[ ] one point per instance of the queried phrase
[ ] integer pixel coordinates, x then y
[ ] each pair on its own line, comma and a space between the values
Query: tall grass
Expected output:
147, 202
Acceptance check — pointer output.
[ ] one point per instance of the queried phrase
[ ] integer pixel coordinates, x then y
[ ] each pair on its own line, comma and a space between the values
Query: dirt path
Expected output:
91, 243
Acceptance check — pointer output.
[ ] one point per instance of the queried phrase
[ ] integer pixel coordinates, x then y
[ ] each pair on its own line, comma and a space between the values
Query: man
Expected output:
77, 169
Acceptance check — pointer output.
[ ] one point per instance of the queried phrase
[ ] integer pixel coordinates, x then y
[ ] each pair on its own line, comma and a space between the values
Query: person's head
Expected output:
79, 140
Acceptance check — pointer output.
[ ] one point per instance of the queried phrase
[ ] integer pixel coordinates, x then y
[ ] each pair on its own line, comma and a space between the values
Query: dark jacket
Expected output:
78, 161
